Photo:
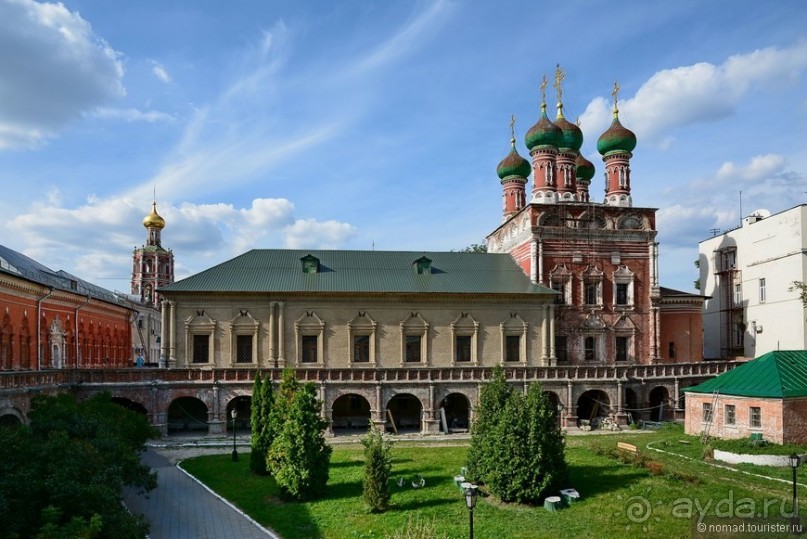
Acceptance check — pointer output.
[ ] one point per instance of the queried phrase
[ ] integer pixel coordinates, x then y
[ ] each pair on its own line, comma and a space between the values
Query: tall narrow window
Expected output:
512, 351
622, 293
738, 294
462, 348
562, 347
755, 417
413, 349
201, 348
309, 343
591, 294
671, 350
361, 348
243, 349
560, 299
588, 348
622, 348
707, 412
762, 291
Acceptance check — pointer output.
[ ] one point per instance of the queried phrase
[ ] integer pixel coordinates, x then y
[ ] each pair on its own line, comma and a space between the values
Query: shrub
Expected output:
481, 453
528, 449
377, 470
262, 432
298, 458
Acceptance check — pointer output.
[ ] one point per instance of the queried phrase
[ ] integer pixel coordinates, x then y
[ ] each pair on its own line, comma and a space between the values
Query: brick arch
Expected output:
13, 411
408, 408
332, 394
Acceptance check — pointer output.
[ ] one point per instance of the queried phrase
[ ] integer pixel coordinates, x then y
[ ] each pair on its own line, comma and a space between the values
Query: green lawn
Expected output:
618, 499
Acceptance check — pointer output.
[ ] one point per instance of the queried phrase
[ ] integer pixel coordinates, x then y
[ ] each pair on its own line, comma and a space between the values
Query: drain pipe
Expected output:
75, 322
39, 328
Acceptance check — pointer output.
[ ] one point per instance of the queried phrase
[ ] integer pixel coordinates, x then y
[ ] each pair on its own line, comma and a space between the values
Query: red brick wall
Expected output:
771, 410
685, 331
104, 330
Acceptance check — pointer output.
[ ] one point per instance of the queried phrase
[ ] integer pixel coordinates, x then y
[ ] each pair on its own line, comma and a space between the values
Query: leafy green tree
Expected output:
377, 470
475, 248
63, 475
262, 399
298, 457
529, 449
492, 400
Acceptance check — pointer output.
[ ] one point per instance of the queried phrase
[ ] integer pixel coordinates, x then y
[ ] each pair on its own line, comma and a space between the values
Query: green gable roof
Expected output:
778, 374
281, 270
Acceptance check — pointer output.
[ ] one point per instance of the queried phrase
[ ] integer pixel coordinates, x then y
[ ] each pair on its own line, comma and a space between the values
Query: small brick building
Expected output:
766, 396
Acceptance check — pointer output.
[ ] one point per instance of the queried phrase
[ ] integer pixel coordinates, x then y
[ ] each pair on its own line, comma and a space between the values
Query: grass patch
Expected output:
645, 498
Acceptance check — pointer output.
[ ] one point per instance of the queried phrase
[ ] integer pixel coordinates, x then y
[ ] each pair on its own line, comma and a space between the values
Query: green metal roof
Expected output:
778, 374
279, 270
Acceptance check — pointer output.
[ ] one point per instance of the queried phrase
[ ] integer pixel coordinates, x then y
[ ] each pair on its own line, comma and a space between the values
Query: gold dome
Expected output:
153, 220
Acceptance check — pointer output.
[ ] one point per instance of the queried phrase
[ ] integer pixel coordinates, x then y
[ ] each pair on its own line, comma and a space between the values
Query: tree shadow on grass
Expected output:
592, 480
345, 489
346, 464
422, 504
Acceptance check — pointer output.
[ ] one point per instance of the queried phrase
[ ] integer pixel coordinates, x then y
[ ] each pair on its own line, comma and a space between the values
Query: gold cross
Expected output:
559, 76
544, 82
512, 126
615, 93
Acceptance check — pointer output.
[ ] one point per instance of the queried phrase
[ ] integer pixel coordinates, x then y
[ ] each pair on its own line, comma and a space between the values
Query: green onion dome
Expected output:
544, 133
585, 169
616, 139
572, 135
513, 164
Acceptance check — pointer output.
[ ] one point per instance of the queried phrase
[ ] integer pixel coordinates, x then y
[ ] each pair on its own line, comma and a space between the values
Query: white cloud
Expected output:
160, 72
698, 93
761, 167
95, 240
58, 69
312, 234
130, 115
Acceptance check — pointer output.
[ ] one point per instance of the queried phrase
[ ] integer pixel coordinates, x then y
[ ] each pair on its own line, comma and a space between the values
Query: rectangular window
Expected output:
588, 349
562, 347
310, 343
512, 348
755, 417
762, 291
462, 348
671, 350
201, 348
560, 299
243, 349
413, 350
591, 294
621, 293
738, 294
622, 348
361, 348
707, 412
731, 414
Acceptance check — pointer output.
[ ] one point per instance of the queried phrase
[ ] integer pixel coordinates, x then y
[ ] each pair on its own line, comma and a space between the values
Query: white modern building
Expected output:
749, 274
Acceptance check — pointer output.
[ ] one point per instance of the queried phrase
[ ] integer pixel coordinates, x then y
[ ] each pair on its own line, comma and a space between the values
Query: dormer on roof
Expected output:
310, 263
423, 265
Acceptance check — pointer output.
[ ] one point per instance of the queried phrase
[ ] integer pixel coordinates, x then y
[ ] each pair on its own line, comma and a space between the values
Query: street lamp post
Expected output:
470, 491
795, 460
560, 415
234, 414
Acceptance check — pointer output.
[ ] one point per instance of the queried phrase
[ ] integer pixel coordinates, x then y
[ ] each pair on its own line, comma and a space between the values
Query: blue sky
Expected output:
358, 124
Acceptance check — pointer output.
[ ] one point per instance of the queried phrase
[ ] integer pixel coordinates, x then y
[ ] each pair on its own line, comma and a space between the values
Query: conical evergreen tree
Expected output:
299, 457
492, 400
257, 460
377, 470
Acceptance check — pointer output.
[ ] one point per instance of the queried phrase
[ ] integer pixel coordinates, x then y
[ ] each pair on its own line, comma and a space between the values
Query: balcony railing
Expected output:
418, 375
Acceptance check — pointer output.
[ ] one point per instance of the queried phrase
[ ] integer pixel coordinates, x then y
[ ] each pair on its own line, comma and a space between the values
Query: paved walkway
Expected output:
181, 508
